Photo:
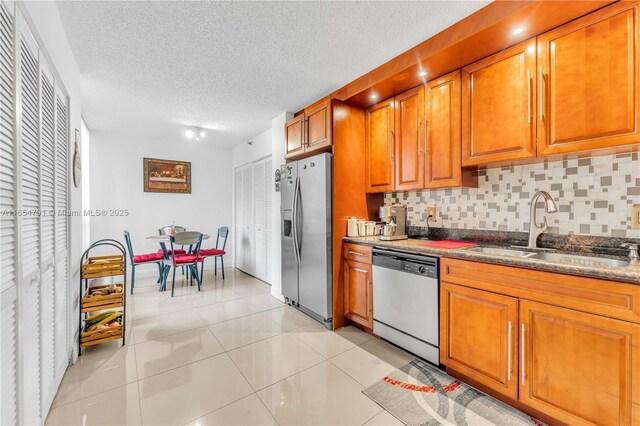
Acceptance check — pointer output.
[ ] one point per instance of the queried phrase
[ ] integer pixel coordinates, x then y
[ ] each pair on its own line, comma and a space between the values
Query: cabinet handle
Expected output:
392, 142
522, 351
364, 271
509, 331
528, 96
541, 96
356, 253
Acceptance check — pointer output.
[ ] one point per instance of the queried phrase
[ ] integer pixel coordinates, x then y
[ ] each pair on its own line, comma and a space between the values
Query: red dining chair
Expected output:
218, 252
142, 259
189, 260
167, 230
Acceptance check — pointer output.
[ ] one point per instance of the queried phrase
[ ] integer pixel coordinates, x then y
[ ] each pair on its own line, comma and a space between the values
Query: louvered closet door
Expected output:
61, 233
269, 188
8, 201
247, 248
29, 297
260, 220
239, 222
47, 248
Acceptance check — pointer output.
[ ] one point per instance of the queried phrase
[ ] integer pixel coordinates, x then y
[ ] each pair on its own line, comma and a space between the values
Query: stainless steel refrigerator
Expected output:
305, 213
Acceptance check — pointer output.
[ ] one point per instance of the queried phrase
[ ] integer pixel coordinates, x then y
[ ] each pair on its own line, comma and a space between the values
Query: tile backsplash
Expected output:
594, 197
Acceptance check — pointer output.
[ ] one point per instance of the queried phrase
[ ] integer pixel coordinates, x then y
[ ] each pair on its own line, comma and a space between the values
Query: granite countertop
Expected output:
627, 274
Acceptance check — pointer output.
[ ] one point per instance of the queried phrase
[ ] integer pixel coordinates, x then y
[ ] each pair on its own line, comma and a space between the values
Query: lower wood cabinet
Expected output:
478, 336
358, 293
574, 365
577, 367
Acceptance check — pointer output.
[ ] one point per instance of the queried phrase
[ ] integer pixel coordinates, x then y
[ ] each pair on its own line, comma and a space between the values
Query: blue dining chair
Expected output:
189, 260
142, 259
217, 252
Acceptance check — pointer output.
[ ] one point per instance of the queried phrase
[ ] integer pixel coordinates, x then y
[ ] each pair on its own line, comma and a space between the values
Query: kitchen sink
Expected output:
503, 252
581, 260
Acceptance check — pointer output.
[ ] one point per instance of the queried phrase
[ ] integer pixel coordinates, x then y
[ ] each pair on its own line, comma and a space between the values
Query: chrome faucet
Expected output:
534, 229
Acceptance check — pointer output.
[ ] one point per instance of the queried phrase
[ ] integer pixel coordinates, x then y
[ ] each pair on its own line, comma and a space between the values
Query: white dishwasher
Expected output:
405, 301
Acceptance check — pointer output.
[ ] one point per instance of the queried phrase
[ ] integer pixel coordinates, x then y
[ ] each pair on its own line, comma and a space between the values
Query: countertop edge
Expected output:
627, 275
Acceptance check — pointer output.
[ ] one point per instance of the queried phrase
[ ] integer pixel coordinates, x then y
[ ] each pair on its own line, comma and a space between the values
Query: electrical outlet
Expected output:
635, 216
433, 212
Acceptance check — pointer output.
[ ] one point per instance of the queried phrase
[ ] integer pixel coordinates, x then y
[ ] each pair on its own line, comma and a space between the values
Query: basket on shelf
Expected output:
105, 301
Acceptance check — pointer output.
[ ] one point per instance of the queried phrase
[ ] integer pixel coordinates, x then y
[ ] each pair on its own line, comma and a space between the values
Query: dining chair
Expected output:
142, 259
189, 260
167, 230
217, 252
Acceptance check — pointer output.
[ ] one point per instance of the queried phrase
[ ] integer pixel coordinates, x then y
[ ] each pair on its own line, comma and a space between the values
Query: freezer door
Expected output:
288, 258
314, 239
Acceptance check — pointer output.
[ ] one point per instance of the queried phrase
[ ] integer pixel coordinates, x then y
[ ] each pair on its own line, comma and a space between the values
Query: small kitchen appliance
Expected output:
394, 218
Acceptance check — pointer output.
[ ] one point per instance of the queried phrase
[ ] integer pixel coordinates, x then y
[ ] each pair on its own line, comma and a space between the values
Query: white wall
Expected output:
245, 153
44, 19
277, 153
117, 183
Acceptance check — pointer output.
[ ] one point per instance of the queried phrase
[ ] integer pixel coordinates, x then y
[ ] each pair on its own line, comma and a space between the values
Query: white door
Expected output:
247, 247
29, 232
260, 220
8, 227
47, 248
238, 216
269, 189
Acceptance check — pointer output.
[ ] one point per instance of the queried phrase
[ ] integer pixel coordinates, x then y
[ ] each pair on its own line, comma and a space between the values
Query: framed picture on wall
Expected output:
167, 176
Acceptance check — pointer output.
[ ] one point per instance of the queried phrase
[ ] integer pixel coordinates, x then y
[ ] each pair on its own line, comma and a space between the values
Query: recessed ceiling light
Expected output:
422, 73
517, 30
374, 96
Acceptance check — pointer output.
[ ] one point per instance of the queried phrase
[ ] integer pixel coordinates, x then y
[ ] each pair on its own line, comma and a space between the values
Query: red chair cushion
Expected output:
211, 252
151, 257
178, 251
185, 258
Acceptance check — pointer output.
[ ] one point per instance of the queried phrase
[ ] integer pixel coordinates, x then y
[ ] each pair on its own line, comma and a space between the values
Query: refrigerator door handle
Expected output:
294, 222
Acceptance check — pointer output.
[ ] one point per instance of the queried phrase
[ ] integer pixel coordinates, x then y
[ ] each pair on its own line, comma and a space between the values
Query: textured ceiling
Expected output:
154, 68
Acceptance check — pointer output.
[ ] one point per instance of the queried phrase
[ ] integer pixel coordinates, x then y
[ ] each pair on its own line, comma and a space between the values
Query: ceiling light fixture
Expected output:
517, 30
195, 133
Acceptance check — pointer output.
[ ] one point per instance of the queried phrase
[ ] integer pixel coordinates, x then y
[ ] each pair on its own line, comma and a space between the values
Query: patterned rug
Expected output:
420, 394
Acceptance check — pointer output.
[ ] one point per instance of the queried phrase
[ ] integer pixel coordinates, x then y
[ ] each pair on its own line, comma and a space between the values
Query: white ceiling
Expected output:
154, 68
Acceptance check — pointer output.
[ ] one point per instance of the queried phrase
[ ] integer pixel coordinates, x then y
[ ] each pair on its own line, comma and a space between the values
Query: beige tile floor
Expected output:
229, 355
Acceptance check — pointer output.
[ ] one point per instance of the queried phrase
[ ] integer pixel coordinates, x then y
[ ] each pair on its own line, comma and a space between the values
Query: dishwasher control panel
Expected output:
425, 266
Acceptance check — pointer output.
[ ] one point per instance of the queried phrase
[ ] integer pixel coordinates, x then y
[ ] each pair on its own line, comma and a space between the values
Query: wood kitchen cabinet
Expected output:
358, 293
577, 367
498, 114
478, 336
443, 128
358, 284
409, 140
589, 82
310, 131
379, 147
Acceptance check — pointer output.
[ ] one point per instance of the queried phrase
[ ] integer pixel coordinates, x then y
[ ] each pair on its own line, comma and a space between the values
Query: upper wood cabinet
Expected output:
409, 139
294, 136
498, 115
577, 367
589, 72
379, 147
478, 336
310, 131
443, 126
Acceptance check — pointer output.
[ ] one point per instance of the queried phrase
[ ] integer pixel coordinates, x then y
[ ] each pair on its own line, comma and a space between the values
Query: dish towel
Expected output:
447, 244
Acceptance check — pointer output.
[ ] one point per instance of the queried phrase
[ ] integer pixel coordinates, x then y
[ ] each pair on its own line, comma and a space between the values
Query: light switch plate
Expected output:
635, 216
433, 212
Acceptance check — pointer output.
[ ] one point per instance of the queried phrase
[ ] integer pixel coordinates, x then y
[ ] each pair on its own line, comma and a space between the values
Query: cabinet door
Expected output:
590, 70
294, 136
409, 139
443, 162
478, 336
318, 125
497, 106
379, 127
358, 303
579, 368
